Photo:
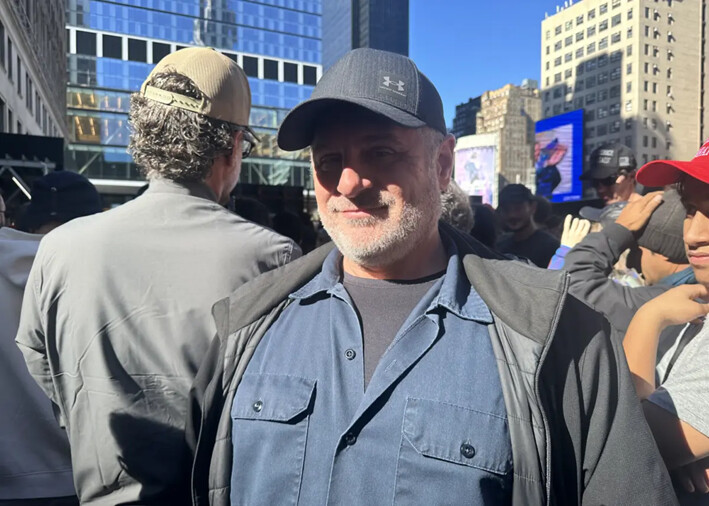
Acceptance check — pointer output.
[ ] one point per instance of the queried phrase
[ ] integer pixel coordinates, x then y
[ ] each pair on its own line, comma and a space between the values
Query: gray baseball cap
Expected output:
608, 160
385, 83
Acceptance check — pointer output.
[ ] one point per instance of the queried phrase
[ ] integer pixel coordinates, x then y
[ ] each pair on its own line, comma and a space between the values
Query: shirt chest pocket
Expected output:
270, 418
452, 455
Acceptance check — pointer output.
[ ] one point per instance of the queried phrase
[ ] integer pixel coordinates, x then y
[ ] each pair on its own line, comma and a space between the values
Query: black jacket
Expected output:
577, 431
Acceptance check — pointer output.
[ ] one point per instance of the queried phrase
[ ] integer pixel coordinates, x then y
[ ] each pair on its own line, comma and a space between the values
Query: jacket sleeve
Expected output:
591, 261
604, 452
557, 261
32, 332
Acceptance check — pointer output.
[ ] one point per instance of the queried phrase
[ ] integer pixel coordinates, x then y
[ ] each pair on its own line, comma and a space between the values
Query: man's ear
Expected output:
236, 148
446, 161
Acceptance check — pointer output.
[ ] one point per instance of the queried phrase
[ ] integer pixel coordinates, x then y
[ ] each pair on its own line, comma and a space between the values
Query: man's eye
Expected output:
382, 152
328, 164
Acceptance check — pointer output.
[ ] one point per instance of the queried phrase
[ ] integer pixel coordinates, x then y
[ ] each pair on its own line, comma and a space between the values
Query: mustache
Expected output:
364, 200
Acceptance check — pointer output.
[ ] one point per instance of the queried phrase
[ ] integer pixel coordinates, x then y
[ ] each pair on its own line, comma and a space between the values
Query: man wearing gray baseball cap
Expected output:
407, 363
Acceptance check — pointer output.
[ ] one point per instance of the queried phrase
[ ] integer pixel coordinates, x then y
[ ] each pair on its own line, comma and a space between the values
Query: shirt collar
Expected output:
456, 294
197, 189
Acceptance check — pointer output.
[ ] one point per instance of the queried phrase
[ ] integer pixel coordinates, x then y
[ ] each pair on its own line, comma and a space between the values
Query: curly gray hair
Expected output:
173, 143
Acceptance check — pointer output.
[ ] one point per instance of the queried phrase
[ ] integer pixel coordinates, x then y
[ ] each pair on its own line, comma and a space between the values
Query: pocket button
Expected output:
350, 439
467, 450
258, 406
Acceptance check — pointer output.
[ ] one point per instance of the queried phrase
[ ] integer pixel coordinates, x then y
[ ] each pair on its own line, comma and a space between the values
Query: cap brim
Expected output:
296, 131
666, 172
591, 213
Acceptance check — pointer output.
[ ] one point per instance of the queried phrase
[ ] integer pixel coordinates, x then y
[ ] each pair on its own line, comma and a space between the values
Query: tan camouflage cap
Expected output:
227, 95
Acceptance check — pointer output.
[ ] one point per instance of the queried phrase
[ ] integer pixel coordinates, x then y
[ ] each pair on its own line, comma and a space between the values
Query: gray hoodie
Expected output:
34, 451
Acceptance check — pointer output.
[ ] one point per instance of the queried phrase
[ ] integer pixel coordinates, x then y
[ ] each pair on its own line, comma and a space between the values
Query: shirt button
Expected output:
350, 439
258, 406
467, 450
350, 354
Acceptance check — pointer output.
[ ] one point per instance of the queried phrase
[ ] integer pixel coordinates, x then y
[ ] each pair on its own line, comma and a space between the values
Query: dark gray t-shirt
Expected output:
383, 306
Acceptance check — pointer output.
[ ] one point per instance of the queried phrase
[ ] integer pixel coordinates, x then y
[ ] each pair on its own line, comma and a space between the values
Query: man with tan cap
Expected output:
117, 311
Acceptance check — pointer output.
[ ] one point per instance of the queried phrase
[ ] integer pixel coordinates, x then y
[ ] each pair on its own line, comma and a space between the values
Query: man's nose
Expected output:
352, 182
696, 232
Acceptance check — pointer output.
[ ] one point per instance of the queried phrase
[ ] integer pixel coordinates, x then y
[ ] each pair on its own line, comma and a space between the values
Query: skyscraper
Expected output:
349, 24
114, 44
636, 67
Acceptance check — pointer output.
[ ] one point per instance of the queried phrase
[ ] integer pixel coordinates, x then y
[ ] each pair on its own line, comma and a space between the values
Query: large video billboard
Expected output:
476, 166
558, 156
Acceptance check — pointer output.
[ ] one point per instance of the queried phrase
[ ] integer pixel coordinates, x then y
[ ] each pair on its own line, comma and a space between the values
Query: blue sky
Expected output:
469, 46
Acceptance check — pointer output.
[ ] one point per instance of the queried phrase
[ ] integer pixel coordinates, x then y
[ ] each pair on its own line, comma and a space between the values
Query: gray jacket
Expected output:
590, 263
573, 416
115, 321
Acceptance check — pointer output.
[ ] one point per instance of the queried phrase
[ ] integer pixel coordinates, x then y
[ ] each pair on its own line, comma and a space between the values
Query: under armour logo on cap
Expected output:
388, 82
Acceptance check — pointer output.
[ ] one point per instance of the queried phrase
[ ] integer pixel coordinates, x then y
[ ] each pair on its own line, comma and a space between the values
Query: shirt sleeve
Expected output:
31, 333
685, 392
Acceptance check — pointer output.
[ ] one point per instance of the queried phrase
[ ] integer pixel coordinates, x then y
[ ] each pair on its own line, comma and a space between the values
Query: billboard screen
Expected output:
475, 166
558, 156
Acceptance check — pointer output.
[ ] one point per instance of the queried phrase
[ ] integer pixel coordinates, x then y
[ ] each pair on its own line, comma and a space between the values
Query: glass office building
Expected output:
349, 24
114, 44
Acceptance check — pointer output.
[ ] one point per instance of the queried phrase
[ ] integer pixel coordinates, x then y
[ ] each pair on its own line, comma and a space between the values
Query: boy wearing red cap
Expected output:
676, 405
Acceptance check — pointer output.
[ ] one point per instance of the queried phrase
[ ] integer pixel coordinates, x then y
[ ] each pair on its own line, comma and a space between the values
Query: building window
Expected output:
602, 129
615, 109
250, 66
645, 141
580, 69
557, 61
628, 105
557, 45
568, 41
290, 72
629, 125
629, 51
645, 85
602, 60
654, 106
19, 75
85, 43
590, 64
2, 60
647, 49
628, 87
9, 120
602, 95
557, 77
568, 25
579, 20
548, 49
579, 53
591, 98
590, 31
137, 50
630, 14
654, 87
578, 102
615, 4
579, 85
615, 38
112, 47
616, 56
548, 35
568, 57
647, 31
602, 77
270, 69
615, 20
602, 112
567, 73
591, 48
160, 51
615, 92
547, 66
628, 69
591, 14
603, 9
557, 30
590, 115
603, 43
654, 142
603, 25
647, 12
579, 36
629, 33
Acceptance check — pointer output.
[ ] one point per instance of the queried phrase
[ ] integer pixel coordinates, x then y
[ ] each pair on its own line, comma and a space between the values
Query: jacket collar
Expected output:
455, 295
162, 185
525, 297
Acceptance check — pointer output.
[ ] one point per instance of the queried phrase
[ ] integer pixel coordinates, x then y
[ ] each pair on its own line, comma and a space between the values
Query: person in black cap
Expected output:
612, 173
57, 198
407, 363
517, 206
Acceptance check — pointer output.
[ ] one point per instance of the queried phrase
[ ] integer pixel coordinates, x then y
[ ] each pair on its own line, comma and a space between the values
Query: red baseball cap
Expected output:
665, 172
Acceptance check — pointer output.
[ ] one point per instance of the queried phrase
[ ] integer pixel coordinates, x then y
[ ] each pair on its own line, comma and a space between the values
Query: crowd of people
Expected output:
188, 348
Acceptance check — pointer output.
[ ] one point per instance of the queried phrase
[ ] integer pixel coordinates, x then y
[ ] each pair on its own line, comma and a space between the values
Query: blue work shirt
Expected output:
431, 427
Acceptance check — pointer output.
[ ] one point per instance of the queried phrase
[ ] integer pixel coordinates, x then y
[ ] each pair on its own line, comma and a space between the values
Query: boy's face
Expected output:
695, 197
